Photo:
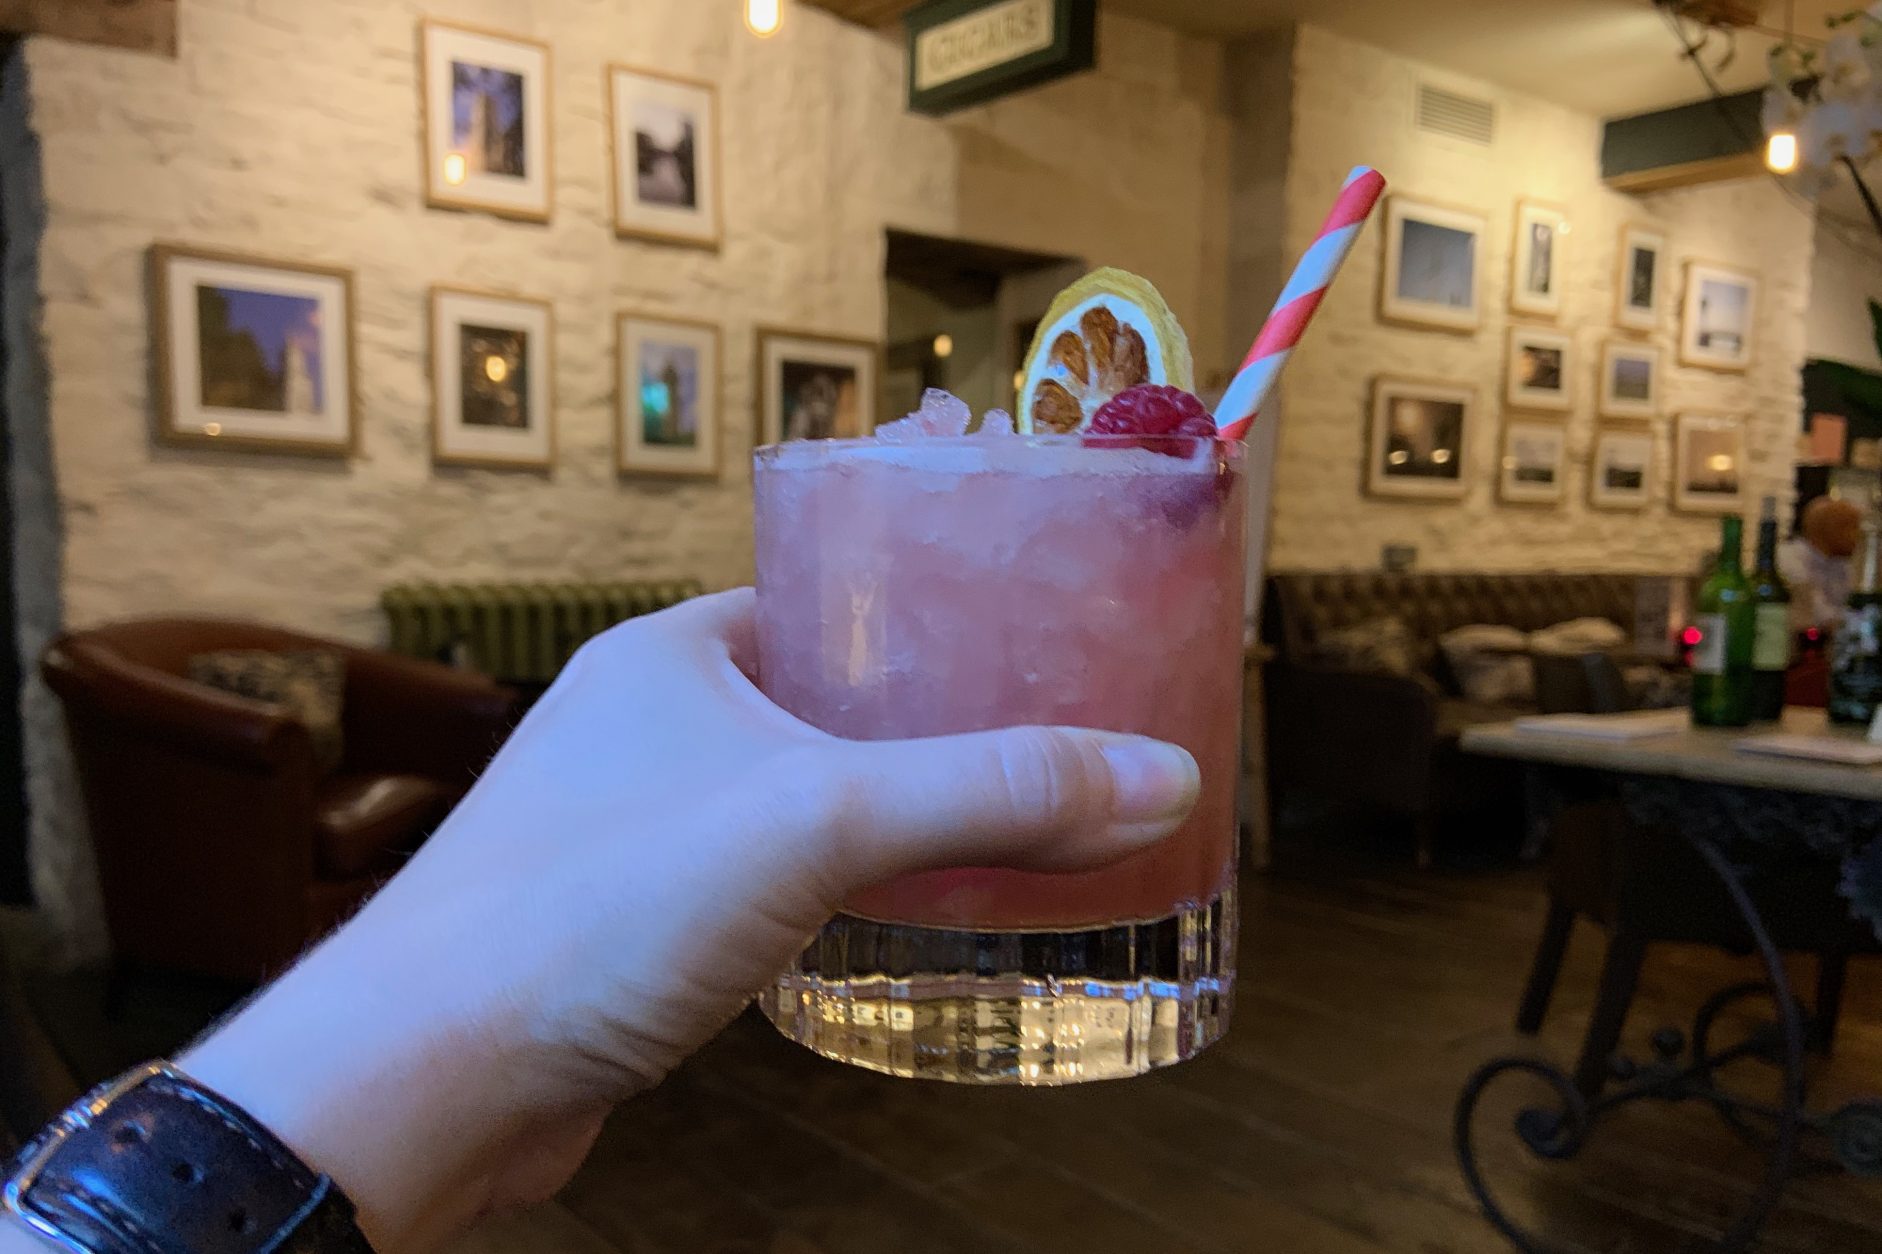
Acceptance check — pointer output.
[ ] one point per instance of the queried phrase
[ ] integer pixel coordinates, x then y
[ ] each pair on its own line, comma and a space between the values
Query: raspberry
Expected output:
1153, 409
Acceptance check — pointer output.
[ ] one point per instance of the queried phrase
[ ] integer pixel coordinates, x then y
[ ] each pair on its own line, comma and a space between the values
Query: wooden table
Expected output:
1701, 754
1731, 806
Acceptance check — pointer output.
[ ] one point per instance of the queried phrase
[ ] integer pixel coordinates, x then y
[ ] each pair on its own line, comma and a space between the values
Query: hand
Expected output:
654, 844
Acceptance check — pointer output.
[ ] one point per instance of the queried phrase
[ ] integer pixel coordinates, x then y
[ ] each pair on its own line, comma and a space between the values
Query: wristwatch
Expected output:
155, 1163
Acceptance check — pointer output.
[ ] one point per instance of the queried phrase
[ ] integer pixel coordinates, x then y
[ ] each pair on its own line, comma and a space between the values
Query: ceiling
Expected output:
1606, 57
1610, 58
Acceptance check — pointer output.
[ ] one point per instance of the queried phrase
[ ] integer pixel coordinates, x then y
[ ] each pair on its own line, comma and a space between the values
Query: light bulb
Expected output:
1780, 152
454, 168
763, 17
944, 345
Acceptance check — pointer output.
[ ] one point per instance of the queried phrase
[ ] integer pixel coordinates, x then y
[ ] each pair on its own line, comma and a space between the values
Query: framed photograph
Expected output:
486, 99
1419, 440
251, 353
1715, 325
815, 387
1630, 380
493, 403
1432, 259
1708, 463
665, 140
1538, 260
1641, 278
1540, 367
1534, 457
666, 397
1621, 474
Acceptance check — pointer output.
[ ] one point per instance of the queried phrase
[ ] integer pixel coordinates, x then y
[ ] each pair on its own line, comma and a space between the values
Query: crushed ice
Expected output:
941, 414
997, 423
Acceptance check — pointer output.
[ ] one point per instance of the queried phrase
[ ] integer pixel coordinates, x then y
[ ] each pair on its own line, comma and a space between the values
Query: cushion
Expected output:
1382, 645
1490, 662
365, 823
308, 685
1578, 635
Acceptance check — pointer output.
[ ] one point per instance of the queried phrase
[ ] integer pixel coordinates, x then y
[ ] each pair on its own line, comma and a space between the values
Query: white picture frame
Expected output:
1433, 271
1630, 380
664, 142
252, 353
1620, 468
1709, 465
486, 104
1640, 278
1538, 259
492, 379
1541, 369
1718, 317
1418, 446
667, 413
1532, 462
815, 386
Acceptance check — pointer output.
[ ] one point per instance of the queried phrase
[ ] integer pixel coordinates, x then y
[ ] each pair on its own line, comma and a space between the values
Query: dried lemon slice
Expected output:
1107, 332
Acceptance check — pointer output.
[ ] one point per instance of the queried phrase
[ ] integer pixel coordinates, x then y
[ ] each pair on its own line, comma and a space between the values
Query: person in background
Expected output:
1815, 561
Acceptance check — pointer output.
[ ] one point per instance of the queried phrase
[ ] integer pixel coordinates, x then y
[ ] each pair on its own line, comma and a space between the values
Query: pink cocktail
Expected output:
956, 584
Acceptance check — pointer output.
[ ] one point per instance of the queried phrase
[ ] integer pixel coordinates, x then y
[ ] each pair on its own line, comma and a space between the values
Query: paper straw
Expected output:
1295, 307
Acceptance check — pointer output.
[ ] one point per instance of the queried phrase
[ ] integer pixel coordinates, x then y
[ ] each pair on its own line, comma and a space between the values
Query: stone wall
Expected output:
1353, 104
1846, 276
292, 129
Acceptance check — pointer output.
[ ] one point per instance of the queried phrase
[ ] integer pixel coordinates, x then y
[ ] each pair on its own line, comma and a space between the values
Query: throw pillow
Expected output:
1578, 635
1491, 663
308, 685
1381, 645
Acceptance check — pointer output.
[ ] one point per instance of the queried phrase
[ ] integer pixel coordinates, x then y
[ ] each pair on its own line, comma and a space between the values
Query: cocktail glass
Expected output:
957, 584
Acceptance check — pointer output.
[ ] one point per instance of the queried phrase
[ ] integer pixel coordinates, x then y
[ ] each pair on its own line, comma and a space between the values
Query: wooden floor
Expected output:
1320, 1126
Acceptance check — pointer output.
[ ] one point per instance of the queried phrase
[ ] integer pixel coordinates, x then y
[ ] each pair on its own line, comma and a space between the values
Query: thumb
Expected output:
1034, 798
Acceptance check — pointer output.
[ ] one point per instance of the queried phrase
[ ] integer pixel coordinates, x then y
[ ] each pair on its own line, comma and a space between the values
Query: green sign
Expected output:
967, 52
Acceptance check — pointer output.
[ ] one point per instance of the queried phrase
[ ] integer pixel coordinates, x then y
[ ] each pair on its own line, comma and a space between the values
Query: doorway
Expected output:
15, 886
961, 317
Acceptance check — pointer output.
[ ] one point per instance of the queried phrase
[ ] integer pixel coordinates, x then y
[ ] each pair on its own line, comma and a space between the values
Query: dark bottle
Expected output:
1771, 650
1727, 621
1856, 651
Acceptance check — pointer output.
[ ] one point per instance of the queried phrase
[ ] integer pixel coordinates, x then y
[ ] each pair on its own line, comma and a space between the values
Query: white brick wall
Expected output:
292, 129
1352, 104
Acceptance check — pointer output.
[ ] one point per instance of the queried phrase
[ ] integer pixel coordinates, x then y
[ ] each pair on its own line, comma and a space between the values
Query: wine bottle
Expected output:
1771, 650
1856, 650
1727, 621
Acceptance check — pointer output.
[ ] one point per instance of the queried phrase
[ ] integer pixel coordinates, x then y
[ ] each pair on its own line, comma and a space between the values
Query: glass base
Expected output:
1012, 1007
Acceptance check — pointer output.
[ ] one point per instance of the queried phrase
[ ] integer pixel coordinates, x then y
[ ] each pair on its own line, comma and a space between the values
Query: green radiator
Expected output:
516, 632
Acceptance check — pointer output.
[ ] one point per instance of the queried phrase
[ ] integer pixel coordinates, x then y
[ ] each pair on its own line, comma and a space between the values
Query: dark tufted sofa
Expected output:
1387, 740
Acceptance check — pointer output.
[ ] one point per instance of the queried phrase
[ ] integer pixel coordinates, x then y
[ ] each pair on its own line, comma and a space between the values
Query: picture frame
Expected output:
1640, 278
1620, 468
1418, 446
1709, 463
815, 386
485, 96
1541, 369
668, 400
1538, 259
1718, 317
252, 353
1432, 275
1630, 380
1533, 462
663, 142
492, 379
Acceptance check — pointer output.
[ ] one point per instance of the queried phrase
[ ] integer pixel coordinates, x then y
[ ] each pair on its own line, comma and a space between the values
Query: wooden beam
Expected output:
143, 25
1689, 173
867, 12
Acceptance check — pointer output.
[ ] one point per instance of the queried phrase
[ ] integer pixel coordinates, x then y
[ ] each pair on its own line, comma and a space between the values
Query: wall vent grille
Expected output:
1468, 118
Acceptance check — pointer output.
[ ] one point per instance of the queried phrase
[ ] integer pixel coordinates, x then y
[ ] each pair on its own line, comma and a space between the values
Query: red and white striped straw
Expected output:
1295, 307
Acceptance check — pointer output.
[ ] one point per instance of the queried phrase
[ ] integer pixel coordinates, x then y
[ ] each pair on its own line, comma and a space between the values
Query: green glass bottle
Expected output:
1771, 650
1856, 649
1727, 621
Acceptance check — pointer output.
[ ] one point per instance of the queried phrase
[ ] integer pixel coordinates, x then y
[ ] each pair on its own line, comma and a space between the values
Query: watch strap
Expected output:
155, 1163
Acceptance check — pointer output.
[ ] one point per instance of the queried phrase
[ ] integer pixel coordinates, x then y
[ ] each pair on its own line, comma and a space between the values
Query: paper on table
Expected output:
1839, 749
1632, 725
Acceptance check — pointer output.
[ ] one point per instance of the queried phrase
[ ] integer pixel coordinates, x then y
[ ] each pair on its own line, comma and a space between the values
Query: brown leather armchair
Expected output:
222, 848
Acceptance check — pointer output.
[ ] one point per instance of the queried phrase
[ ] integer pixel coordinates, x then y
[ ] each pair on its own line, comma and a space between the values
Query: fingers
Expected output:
1037, 798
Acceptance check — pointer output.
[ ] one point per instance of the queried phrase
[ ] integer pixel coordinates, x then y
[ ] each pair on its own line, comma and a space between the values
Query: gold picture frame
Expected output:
519, 333
778, 348
280, 375
633, 455
459, 175
687, 206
